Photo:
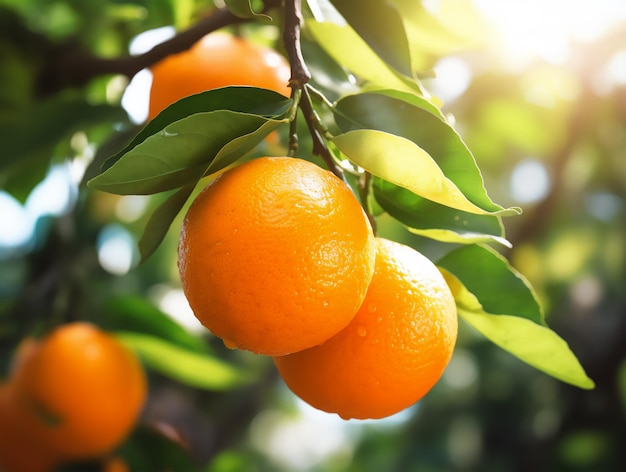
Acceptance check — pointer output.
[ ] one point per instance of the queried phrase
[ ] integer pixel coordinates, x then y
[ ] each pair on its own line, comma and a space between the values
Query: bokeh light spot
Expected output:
116, 249
529, 181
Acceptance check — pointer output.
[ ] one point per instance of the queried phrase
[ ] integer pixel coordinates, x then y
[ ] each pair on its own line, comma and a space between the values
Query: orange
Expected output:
79, 391
24, 350
20, 451
275, 255
394, 350
115, 464
219, 59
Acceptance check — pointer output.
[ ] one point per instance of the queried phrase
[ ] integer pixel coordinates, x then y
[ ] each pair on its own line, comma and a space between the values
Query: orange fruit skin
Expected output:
275, 255
24, 350
394, 350
219, 59
20, 451
79, 392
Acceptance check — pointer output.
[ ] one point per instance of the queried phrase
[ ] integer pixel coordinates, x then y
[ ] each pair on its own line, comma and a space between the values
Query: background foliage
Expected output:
564, 120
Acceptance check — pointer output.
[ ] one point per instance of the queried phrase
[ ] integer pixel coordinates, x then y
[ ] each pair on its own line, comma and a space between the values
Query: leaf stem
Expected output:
296, 96
316, 130
364, 190
320, 96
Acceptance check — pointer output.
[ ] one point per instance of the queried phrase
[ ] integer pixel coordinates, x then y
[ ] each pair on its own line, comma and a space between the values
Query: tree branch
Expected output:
74, 67
300, 74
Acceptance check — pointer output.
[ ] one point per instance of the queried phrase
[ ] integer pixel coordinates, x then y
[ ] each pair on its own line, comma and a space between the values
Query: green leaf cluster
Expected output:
197, 136
377, 120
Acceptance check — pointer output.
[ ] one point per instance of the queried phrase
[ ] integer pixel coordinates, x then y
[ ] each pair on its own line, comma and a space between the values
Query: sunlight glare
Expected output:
17, 227
452, 77
616, 68
612, 75
548, 29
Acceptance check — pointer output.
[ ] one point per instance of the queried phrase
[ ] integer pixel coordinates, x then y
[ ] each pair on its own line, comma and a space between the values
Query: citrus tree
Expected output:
336, 83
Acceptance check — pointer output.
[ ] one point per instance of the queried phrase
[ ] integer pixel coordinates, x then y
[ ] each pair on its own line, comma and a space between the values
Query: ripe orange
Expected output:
24, 350
275, 255
219, 59
394, 350
20, 451
79, 392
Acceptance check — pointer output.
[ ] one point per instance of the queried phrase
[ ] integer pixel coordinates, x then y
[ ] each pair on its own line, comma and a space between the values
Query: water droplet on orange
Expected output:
361, 331
229, 344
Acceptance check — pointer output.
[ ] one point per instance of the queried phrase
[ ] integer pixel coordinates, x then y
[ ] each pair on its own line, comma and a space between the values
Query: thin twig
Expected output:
300, 74
300, 77
314, 124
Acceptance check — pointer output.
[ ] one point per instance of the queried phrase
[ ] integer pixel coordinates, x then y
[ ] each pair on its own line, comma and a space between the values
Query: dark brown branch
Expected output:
300, 74
74, 67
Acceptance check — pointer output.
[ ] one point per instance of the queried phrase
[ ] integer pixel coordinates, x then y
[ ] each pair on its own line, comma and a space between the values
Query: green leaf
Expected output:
134, 313
434, 36
380, 25
436, 221
160, 221
183, 11
535, 344
403, 163
242, 99
148, 448
497, 286
404, 115
241, 145
243, 9
347, 48
421, 103
330, 78
178, 155
20, 179
188, 367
